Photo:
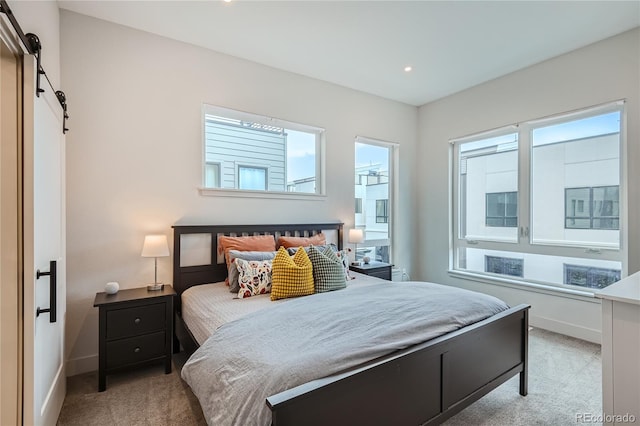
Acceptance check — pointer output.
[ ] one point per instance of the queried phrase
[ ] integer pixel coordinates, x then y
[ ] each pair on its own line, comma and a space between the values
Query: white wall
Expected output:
134, 154
599, 73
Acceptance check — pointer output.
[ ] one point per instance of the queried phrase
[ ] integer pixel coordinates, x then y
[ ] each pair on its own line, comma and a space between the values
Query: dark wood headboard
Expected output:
213, 270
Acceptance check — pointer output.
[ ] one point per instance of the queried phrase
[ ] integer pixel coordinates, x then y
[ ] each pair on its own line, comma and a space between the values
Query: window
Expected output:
250, 152
374, 196
253, 178
592, 208
586, 276
358, 205
382, 211
502, 209
504, 265
546, 193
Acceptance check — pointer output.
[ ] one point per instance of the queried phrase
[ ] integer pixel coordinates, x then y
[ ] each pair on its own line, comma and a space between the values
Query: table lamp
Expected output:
155, 246
356, 236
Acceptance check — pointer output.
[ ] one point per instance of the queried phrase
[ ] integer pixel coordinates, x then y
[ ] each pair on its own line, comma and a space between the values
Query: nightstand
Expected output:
374, 269
136, 327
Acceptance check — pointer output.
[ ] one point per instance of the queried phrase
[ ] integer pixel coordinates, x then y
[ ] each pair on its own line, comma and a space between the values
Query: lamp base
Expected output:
155, 287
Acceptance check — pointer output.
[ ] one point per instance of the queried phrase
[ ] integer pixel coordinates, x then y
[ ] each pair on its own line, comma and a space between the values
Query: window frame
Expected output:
525, 242
392, 203
320, 156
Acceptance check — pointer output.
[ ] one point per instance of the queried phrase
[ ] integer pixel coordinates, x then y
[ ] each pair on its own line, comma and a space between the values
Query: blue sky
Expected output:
301, 155
576, 129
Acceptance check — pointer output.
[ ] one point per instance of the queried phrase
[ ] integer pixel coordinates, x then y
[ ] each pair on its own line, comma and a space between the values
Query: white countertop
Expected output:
626, 290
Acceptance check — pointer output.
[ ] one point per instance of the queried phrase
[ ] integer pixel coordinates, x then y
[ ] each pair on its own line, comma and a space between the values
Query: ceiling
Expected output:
365, 45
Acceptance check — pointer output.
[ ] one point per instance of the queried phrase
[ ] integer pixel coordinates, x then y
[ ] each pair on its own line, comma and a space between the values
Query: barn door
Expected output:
45, 277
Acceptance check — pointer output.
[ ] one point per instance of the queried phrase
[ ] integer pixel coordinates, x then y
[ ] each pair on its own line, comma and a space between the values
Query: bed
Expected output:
424, 383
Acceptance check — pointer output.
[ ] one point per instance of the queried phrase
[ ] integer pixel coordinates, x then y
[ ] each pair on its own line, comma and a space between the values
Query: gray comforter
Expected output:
283, 346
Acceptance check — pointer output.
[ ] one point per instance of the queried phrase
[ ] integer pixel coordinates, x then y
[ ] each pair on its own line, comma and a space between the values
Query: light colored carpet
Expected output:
564, 381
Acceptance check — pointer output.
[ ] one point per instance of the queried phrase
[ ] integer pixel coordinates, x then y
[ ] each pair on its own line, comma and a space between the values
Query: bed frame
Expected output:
421, 385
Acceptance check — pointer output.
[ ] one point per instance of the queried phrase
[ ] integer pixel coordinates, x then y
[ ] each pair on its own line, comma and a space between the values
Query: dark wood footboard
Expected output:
422, 385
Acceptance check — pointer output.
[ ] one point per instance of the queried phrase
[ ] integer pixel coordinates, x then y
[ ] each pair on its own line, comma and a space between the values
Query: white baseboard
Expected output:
52, 404
82, 365
568, 329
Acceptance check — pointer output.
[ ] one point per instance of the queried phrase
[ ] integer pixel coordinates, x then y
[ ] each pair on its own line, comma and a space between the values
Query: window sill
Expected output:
215, 192
586, 296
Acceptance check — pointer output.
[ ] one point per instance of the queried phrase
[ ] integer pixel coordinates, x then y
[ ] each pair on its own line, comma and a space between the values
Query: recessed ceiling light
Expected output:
408, 68
227, 1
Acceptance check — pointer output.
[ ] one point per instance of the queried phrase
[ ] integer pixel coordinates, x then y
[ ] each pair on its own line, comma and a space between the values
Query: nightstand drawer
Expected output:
135, 349
384, 273
134, 321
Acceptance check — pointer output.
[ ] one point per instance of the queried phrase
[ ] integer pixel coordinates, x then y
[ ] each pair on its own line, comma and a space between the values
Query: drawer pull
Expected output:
137, 320
137, 349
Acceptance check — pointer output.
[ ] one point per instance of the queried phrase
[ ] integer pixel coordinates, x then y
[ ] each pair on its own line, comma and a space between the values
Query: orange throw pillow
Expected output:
315, 240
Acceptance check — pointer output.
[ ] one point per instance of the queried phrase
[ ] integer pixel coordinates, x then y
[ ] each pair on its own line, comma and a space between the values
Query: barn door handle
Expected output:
52, 274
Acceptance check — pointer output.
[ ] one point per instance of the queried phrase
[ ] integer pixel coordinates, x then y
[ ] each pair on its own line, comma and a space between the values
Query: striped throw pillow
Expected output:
328, 272
291, 276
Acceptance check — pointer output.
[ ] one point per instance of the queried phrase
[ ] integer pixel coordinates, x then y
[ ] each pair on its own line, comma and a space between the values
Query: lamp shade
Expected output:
356, 236
155, 246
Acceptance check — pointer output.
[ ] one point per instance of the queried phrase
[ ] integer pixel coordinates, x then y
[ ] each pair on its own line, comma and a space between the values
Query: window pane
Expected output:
212, 175
502, 209
377, 253
253, 178
504, 266
576, 167
591, 277
488, 185
606, 207
301, 161
541, 268
372, 170
512, 204
381, 211
495, 205
233, 138
577, 203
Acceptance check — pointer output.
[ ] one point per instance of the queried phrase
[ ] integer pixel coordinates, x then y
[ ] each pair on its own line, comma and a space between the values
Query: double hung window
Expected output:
541, 200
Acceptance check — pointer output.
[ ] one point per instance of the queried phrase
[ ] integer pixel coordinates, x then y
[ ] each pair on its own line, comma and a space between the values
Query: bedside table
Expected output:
136, 327
374, 269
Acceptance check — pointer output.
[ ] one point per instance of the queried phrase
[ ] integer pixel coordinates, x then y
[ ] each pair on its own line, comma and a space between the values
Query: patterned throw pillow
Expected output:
234, 287
343, 255
292, 275
254, 277
328, 272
